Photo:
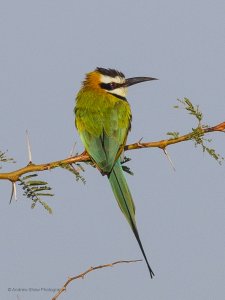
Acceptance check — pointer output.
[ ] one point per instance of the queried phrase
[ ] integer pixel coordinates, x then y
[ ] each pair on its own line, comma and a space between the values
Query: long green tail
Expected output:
125, 202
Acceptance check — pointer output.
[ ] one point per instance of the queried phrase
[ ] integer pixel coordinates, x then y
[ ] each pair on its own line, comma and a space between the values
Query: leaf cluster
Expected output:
75, 171
35, 189
125, 167
199, 140
5, 159
197, 134
192, 109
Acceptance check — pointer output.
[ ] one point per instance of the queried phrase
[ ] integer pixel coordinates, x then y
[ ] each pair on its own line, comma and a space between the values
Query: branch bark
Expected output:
84, 157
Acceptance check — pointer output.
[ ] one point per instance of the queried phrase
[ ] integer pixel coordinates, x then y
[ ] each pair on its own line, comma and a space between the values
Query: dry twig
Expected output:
81, 275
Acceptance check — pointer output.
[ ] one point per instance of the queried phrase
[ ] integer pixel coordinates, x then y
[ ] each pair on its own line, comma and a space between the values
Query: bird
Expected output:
103, 120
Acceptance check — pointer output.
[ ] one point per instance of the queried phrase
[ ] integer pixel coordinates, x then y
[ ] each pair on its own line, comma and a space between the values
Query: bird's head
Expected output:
111, 81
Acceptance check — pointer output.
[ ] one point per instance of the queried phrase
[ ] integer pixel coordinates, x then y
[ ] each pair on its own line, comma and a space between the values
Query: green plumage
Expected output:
103, 122
122, 193
125, 202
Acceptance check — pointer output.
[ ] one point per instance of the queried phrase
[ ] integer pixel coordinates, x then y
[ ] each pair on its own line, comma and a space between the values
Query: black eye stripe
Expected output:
110, 86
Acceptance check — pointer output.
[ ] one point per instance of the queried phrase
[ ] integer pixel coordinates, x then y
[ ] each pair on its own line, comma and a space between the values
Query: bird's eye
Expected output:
108, 86
112, 85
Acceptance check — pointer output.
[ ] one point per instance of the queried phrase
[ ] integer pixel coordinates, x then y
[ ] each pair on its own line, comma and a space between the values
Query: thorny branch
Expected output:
63, 289
164, 143
84, 157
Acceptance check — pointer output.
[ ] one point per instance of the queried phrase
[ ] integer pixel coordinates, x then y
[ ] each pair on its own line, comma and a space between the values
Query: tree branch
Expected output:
63, 289
187, 137
84, 157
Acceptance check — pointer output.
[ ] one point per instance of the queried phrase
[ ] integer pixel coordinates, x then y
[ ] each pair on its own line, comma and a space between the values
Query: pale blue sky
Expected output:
46, 48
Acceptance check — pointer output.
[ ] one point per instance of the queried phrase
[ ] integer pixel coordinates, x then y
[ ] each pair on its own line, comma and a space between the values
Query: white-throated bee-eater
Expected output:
103, 120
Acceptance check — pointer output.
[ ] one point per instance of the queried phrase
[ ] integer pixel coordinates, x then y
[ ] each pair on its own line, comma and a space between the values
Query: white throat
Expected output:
122, 91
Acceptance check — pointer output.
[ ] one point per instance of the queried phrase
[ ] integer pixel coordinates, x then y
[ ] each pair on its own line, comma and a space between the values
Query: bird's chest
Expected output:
96, 113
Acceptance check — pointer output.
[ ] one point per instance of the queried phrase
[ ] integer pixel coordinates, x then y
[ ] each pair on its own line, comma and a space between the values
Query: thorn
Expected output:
72, 150
139, 143
169, 158
13, 193
28, 147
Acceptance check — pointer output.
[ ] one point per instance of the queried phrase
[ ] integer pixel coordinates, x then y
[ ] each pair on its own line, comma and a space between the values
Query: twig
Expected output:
63, 289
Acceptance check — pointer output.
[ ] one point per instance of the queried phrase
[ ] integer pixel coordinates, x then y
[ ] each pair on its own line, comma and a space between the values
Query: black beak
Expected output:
135, 80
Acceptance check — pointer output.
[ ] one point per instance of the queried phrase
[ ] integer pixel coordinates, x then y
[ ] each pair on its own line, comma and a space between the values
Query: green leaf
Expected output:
126, 168
192, 109
5, 159
174, 134
75, 169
